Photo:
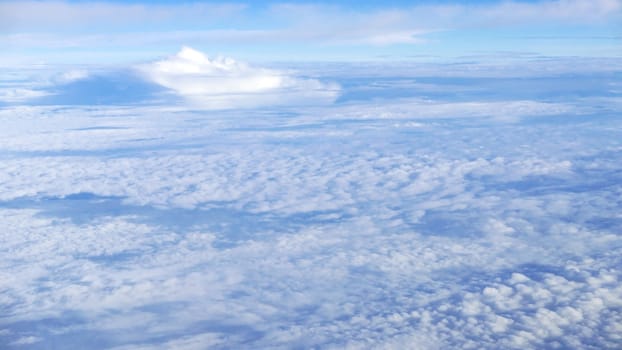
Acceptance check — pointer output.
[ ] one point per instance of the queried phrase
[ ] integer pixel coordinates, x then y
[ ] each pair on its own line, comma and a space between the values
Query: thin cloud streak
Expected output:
57, 24
55, 15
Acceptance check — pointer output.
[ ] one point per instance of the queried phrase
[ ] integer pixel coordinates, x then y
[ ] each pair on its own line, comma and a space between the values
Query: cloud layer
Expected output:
463, 220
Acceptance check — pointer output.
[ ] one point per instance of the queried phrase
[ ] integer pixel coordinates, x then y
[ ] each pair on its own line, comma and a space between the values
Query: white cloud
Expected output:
312, 228
20, 94
32, 15
35, 24
410, 24
26, 341
415, 108
39, 83
556, 10
52, 15
222, 83
70, 76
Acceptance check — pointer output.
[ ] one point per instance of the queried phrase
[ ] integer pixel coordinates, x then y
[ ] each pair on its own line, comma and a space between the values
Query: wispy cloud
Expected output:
64, 15
575, 11
20, 94
64, 24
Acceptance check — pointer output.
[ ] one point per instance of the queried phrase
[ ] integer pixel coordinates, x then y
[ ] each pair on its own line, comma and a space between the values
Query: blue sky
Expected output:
121, 31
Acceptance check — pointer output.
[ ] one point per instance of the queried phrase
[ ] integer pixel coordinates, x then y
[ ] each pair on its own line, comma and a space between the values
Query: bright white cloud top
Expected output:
224, 83
187, 201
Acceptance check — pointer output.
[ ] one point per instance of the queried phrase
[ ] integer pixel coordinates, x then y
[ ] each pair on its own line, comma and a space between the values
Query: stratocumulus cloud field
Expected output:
392, 207
310, 175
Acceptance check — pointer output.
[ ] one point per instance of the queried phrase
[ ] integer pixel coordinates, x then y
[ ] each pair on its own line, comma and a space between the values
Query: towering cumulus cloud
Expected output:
221, 83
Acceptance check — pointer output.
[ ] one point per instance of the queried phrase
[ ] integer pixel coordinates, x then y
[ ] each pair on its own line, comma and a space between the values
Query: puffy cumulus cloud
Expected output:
348, 284
222, 83
575, 307
205, 83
